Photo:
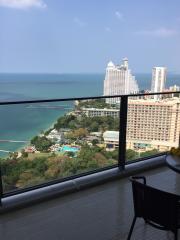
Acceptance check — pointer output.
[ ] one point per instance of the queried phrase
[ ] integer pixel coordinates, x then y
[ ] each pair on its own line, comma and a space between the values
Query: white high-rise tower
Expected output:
158, 80
119, 81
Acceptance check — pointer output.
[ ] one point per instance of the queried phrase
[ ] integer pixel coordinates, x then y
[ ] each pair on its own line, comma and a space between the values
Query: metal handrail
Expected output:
85, 98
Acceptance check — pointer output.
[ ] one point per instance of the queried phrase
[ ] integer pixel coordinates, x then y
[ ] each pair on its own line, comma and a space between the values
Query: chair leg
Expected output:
176, 235
131, 229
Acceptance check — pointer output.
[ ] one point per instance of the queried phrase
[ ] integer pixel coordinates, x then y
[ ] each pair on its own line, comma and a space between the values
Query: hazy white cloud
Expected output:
107, 29
79, 22
22, 4
160, 32
119, 15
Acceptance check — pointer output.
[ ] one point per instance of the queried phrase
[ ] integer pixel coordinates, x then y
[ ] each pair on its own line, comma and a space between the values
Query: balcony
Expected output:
102, 212
98, 211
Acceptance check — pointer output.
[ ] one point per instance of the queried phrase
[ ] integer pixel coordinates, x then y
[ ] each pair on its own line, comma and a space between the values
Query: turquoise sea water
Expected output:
22, 122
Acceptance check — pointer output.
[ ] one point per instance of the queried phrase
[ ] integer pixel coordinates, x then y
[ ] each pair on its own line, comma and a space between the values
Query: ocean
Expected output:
22, 122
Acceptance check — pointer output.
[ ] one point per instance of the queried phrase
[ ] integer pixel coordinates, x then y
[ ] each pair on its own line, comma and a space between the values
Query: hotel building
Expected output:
158, 80
153, 124
119, 81
150, 123
97, 112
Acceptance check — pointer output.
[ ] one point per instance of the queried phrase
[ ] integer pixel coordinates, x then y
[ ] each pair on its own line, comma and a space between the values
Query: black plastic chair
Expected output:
158, 208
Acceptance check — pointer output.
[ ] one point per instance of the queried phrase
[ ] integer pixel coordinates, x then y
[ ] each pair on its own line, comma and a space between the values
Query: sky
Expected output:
80, 36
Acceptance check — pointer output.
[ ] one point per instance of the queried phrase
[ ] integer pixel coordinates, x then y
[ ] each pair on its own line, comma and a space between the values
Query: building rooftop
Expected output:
111, 64
162, 102
111, 134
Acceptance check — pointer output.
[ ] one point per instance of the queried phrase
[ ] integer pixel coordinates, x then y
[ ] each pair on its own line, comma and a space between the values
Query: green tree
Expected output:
13, 155
41, 143
67, 121
95, 141
70, 154
28, 178
131, 154
149, 153
24, 154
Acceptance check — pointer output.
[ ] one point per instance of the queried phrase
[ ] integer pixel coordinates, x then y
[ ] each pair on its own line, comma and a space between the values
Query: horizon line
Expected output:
61, 73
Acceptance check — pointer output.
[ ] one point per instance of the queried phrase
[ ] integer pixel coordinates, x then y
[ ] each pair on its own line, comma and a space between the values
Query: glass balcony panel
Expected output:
41, 142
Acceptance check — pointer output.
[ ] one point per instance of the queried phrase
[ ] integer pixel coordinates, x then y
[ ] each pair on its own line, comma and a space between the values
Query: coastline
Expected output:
22, 123
45, 128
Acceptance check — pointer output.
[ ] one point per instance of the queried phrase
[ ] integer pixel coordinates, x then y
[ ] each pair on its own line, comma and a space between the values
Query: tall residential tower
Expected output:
158, 80
119, 81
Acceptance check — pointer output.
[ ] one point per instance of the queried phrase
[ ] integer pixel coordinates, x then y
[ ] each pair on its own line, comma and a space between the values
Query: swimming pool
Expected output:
69, 149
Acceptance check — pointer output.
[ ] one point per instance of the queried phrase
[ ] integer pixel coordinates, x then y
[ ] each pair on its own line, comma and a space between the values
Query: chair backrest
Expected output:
156, 206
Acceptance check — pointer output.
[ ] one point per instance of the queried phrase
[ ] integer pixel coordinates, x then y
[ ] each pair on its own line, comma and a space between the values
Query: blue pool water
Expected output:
69, 149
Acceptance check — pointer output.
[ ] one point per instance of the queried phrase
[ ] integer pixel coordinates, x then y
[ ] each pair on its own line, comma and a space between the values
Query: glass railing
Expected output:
48, 141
